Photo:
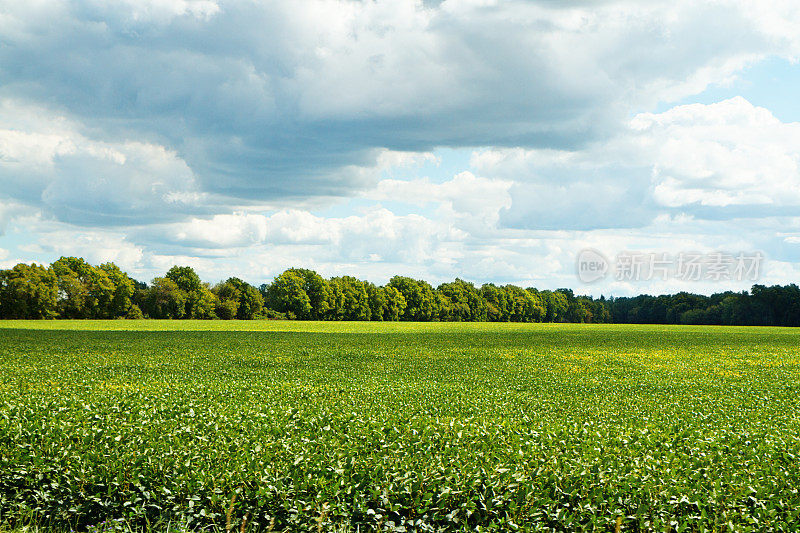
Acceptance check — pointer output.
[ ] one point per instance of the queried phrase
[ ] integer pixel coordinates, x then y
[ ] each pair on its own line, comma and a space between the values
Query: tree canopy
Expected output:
73, 288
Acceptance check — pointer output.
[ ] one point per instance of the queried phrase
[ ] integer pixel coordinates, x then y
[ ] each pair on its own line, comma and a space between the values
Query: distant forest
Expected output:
72, 288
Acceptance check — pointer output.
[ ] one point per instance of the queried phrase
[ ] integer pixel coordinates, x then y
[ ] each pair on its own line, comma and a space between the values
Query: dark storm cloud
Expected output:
285, 99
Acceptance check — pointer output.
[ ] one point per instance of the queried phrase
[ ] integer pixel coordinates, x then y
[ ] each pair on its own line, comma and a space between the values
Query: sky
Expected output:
494, 141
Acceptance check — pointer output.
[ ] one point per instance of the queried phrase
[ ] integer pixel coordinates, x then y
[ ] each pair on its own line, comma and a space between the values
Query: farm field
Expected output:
322, 426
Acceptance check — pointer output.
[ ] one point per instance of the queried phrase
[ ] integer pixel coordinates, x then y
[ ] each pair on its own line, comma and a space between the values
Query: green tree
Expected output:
318, 291
523, 306
203, 303
226, 309
228, 295
251, 303
28, 291
134, 313
164, 299
240, 298
376, 298
187, 280
578, 308
466, 303
84, 291
123, 290
286, 294
497, 303
352, 301
139, 294
72, 292
395, 304
421, 300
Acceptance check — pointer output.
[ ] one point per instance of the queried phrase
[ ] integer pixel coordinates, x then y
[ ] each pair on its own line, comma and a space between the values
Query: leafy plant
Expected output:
312, 426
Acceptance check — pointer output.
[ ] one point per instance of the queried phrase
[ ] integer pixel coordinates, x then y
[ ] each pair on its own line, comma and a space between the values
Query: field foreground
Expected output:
416, 427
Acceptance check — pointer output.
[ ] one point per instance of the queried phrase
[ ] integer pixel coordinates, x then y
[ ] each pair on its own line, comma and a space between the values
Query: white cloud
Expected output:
160, 11
94, 246
473, 201
459, 234
376, 234
9, 210
295, 98
780, 273
47, 162
222, 231
729, 153
725, 160
214, 134
778, 19
161, 263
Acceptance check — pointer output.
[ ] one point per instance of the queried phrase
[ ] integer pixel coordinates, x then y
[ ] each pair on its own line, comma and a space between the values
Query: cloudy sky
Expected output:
487, 140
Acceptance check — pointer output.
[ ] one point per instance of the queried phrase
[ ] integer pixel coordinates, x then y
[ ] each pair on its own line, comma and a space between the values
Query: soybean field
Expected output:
311, 426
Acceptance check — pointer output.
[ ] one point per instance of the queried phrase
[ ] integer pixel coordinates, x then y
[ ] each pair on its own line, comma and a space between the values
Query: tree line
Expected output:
761, 306
72, 288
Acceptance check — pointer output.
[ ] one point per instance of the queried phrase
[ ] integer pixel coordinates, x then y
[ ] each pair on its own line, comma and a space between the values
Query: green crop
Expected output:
302, 426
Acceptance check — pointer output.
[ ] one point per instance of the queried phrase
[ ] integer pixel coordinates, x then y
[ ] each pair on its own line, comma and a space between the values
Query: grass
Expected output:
320, 426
